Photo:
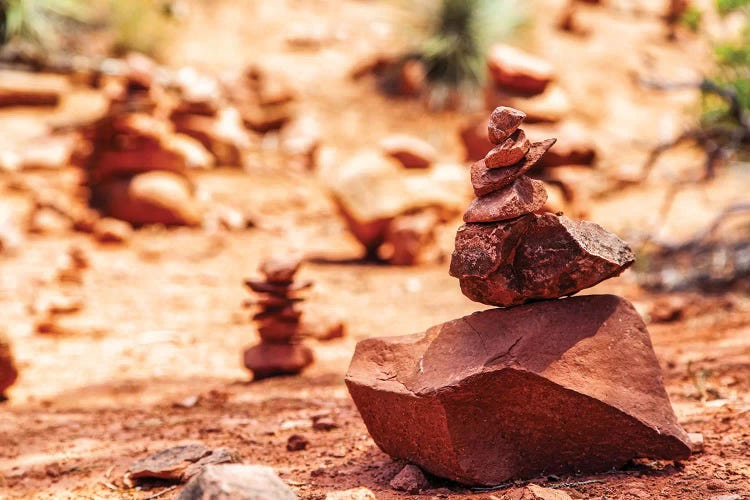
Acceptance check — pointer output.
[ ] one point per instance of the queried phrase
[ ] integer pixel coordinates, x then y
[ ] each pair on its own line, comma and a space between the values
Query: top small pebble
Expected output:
503, 122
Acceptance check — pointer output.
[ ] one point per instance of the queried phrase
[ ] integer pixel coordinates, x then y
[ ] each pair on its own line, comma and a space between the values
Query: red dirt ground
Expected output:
162, 319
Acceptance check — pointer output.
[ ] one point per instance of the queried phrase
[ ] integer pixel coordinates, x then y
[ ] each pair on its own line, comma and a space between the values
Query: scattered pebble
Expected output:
297, 442
411, 479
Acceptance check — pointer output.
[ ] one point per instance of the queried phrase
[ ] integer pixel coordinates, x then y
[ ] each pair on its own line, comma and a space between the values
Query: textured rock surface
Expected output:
509, 152
485, 179
236, 482
503, 122
410, 479
535, 257
524, 196
179, 463
562, 386
8, 371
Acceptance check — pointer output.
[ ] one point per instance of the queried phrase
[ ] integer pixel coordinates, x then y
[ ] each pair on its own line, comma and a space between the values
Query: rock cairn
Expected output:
136, 166
556, 386
278, 321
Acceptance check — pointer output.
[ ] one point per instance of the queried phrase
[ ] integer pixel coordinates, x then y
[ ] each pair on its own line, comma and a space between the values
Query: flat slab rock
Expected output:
535, 257
179, 463
236, 482
555, 387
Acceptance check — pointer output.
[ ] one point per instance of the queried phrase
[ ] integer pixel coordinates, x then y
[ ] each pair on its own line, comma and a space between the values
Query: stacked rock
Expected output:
136, 166
559, 386
278, 320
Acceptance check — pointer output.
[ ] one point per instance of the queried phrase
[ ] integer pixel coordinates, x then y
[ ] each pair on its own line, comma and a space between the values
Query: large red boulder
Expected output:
535, 257
556, 387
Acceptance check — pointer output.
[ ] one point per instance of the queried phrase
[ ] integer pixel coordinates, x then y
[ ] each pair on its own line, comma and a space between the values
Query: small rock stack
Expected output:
278, 320
556, 386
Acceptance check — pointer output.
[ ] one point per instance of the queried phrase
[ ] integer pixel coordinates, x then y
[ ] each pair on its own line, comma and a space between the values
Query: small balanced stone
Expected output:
524, 196
510, 151
503, 122
485, 179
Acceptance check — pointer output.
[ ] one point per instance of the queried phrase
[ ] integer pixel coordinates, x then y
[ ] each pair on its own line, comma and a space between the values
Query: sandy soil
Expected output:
163, 321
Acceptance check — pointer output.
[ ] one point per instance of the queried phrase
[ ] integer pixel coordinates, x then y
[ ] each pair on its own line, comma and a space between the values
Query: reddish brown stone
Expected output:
486, 180
276, 288
555, 387
509, 152
474, 138
524, 196
535, 257
411, 152
515, 69
156, 197
179, 463
109, 230
8, 371
503, 122
269, 360
277, 331
280, 269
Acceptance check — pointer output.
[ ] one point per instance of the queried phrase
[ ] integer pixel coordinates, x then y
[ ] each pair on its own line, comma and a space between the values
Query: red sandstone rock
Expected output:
503, 122
268, 360
410, 237
297, 442
109, 230
486, 180
508, 152
555, 387
8, 371
410, 151
474, 138
524, 196
535, 257
410, 479
156, 197
280, 269
518, 70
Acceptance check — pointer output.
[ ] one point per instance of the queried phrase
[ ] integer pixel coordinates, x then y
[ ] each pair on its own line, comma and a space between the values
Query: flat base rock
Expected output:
556, 387
534, 257
269, 360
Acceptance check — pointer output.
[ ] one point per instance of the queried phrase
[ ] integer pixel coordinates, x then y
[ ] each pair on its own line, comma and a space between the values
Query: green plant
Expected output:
40, 22
457, 35
692, 18
732, 74
139, 25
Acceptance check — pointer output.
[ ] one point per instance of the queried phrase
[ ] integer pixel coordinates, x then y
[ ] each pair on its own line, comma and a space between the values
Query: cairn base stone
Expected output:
271, 360
554, 387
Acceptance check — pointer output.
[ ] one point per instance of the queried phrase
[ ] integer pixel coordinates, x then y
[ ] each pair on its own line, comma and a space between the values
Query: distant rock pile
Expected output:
278, 320
8, 371
523, 391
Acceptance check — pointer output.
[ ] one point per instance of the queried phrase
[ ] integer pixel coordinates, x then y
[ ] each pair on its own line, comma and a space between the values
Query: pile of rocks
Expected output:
564, 385
137, 167
278, 320
8, 371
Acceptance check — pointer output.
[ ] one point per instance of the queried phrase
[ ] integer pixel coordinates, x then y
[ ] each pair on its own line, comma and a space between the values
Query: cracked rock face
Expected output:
535, 257
524, 196
555, 387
